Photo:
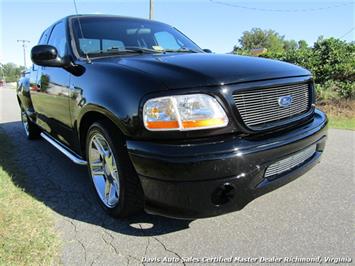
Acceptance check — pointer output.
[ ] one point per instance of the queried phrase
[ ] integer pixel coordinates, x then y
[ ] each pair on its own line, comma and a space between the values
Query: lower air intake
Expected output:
290, 162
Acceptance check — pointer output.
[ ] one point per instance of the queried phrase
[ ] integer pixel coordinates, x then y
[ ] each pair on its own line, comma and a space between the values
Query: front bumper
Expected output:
212, 177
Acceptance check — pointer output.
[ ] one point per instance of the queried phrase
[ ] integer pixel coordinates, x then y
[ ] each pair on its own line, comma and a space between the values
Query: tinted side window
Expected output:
58, 38
44, 37
42, 40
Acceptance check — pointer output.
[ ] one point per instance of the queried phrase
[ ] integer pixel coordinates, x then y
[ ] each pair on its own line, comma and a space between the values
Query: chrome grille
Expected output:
290, 162
261, 106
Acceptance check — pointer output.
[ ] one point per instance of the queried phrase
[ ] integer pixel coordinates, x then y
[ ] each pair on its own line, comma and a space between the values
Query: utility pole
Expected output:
2, 77
151, 9
24, 50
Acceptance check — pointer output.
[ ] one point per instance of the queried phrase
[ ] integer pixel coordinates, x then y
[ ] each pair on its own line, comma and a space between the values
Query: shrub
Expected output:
332, 90
331, 61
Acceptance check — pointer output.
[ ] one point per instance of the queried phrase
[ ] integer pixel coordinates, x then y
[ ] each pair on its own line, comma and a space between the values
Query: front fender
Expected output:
92, 108
113, 91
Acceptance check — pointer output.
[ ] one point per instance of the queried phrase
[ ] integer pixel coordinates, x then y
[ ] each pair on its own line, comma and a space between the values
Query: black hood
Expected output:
196, 70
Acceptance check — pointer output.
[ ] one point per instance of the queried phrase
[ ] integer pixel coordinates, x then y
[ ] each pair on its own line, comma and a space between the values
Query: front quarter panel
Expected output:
110, 90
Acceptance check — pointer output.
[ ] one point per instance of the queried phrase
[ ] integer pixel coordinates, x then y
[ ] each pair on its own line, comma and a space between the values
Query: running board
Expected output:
75, 158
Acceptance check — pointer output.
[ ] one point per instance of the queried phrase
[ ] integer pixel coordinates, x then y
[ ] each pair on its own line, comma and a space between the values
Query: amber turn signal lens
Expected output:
162, 124
203, 123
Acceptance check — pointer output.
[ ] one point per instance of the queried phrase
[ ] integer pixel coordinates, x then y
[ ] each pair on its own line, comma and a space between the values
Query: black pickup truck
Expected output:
164, 125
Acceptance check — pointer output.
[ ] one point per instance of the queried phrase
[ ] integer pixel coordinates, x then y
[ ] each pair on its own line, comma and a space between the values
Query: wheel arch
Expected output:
91, 115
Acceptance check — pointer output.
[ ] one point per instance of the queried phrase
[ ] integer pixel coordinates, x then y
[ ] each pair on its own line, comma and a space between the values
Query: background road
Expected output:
312, 216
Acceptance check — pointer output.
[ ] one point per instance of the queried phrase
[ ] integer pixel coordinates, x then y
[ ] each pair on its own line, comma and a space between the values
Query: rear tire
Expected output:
114, 179
32, 131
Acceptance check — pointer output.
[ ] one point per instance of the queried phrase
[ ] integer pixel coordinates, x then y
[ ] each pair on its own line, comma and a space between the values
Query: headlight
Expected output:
183, 112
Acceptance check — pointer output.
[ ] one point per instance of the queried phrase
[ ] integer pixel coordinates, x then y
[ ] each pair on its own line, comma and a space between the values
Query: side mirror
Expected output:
207, 51
47, 55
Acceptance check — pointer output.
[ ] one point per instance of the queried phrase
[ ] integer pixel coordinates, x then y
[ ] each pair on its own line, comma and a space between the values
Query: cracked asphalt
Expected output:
312, 216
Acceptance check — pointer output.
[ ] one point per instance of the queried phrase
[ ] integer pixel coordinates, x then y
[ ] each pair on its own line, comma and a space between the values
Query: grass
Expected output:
27, 234
341, 113
341, 122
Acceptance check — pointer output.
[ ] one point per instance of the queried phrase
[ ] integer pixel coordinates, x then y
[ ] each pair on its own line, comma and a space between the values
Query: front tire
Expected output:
114, 179
32, 131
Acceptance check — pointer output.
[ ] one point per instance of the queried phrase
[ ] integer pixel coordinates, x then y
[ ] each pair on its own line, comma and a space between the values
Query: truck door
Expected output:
51, 99
34, 88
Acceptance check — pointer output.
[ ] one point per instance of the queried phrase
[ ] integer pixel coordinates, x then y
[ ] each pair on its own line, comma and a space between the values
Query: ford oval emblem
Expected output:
285, 101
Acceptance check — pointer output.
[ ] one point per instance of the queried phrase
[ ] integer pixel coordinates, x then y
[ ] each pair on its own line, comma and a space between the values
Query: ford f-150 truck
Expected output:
163, 125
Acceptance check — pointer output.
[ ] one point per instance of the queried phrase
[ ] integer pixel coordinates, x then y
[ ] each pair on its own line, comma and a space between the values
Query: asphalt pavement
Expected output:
311, 217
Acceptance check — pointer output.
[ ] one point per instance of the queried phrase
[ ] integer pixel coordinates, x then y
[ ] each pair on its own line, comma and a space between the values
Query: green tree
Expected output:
302, 44
290, 45
258, 38
331, 60
11, 71
334, 60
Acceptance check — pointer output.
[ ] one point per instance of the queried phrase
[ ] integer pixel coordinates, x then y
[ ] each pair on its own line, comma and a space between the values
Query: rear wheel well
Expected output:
85, 123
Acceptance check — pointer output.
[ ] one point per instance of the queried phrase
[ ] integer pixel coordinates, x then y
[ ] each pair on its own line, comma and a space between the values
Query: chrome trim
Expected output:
104, 171
290, 162
60, 147
258, 107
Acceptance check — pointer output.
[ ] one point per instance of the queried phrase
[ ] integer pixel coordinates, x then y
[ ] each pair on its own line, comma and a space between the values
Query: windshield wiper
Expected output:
111, 52
126, 50
144, 50
181, 50
139, 50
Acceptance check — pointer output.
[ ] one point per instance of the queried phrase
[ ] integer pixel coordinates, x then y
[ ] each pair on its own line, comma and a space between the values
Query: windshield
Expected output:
100, 36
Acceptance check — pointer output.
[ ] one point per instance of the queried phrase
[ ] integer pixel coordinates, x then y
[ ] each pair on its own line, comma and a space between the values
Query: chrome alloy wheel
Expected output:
104, 170
25, 124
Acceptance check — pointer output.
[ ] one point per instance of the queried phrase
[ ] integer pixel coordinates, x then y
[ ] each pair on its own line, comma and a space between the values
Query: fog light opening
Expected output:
223, 194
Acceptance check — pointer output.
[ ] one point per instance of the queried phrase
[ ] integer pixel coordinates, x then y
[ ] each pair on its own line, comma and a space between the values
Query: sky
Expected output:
212, 24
